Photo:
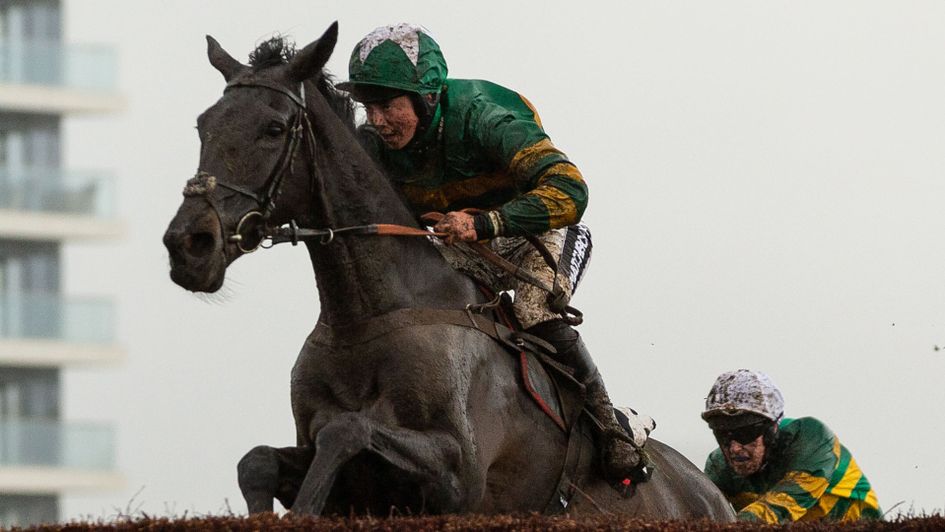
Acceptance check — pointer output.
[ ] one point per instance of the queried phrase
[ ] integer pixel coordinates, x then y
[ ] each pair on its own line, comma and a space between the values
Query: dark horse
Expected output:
390, 410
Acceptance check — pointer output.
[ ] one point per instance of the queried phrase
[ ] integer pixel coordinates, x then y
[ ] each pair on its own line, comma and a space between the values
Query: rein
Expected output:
556, 298
294, 234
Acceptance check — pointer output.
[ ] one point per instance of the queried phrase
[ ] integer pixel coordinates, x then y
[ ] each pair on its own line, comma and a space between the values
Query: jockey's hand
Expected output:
458, 226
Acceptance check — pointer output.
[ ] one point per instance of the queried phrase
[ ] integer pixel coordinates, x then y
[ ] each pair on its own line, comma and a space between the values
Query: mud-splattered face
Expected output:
745, 458
394, 119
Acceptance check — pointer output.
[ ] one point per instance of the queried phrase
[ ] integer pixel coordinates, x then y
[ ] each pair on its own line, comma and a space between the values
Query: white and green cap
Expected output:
402, 57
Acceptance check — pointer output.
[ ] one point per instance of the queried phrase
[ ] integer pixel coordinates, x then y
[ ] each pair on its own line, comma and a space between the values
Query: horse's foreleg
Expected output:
266, 473
335, 444
430, 459
434, 461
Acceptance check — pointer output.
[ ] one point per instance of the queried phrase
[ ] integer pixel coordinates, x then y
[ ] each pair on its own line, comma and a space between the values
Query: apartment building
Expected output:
43, 207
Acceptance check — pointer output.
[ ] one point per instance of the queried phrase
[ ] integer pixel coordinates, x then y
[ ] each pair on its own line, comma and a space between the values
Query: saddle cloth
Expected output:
539, 384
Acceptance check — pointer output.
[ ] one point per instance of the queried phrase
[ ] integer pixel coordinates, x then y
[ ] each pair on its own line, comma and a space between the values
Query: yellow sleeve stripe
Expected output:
824, 505
850, 478
532, 108
440, 197
563, 169
526, 158
784, 500
853, 512
856, 510
815, 486
560, 206
871, 499
762, 512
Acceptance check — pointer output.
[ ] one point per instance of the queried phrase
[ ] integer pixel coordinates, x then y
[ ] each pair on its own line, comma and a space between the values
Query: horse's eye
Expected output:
275, 129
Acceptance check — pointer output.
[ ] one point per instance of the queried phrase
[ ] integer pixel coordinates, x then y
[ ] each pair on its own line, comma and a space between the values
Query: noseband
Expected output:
251, 230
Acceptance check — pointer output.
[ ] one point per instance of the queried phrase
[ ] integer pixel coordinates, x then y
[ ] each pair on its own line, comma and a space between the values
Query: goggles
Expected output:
743, 435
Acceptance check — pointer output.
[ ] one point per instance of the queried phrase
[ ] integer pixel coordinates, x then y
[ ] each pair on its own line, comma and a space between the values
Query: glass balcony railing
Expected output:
54, 317
52, 63
53, 190
53, 443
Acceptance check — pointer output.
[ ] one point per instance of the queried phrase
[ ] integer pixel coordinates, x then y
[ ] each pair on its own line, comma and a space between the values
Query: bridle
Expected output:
251, 230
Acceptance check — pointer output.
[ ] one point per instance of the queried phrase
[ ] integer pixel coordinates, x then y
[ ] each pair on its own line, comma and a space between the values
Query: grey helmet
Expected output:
744, 391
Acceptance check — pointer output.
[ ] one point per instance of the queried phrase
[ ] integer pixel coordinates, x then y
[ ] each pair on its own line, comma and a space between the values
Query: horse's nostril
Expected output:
199, 244
176, 255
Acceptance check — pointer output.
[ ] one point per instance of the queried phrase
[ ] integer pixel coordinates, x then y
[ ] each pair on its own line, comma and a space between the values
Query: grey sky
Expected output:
766, 191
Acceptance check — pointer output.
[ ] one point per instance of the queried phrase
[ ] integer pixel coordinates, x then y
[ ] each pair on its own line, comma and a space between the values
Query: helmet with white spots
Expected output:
744, 391
403, 57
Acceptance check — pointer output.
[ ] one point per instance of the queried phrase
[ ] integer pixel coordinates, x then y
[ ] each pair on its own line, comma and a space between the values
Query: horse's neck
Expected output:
363, 276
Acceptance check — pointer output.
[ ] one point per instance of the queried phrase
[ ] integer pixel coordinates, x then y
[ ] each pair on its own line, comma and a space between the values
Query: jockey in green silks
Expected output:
453, 144
777, 470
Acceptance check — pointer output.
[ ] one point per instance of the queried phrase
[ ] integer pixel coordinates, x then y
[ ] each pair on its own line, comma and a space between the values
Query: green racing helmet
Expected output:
400, 58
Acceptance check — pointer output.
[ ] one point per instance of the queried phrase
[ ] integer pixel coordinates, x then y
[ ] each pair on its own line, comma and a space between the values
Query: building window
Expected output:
29, 161
29, 140
30, 306
26, 510
29, 49
30, 431
29, 393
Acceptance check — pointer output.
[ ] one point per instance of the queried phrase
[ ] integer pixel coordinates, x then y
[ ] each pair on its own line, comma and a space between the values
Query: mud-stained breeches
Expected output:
570, 246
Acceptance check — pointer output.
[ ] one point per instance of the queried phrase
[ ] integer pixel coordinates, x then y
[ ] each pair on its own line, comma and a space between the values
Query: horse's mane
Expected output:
278, 50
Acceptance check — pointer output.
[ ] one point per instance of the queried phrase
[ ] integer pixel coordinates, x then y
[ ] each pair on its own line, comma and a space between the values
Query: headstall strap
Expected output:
203, 184
271, 86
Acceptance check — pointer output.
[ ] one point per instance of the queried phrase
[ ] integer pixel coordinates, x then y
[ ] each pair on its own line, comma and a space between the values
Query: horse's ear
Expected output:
310, 61
221, 60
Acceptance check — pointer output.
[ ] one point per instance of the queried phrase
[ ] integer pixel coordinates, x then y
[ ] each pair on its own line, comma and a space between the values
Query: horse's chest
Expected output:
382, 381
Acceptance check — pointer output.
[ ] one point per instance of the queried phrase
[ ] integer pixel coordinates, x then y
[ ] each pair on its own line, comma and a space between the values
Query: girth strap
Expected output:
352, 334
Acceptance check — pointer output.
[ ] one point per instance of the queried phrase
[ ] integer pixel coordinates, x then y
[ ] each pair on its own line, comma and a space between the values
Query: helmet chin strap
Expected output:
769, 438
425, 110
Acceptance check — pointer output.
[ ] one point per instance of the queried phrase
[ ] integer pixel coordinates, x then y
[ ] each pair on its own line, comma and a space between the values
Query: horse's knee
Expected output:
349, 432
260, 464
258, 476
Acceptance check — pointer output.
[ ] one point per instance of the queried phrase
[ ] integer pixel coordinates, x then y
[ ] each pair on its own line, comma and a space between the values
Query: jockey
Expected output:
451, 144
776, 469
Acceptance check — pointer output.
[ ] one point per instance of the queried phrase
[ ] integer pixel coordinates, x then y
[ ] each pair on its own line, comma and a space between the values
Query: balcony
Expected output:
45, 76
55, 191
52, 63
48, 330
49, 204
48, 456
52, 443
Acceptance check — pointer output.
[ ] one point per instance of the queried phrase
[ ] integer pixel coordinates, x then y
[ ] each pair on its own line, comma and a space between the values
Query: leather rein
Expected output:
253, 230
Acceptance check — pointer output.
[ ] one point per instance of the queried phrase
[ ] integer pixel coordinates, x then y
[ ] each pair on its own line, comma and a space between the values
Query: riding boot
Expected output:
619, 458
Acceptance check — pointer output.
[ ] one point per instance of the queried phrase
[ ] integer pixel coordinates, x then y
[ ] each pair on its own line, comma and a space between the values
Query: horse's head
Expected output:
256, 144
